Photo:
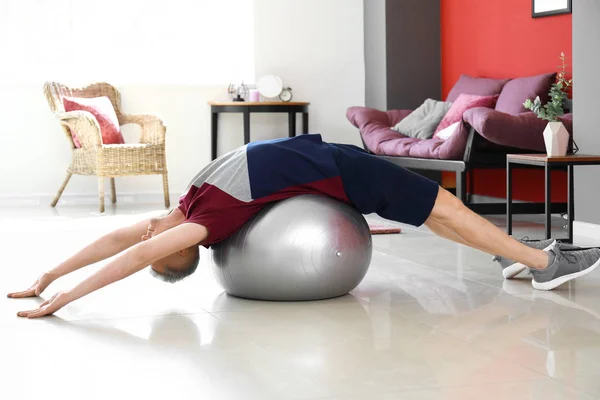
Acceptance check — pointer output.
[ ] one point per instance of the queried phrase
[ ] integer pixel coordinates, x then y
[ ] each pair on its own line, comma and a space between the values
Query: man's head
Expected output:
176, 266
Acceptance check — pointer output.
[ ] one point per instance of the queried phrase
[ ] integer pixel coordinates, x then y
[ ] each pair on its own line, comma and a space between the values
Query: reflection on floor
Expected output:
431, 320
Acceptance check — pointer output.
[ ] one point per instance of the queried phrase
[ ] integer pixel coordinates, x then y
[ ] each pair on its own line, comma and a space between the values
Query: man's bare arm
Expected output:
101, 249
132, 261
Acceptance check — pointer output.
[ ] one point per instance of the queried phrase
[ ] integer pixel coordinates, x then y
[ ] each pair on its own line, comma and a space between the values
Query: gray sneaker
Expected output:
567, 265
511, 268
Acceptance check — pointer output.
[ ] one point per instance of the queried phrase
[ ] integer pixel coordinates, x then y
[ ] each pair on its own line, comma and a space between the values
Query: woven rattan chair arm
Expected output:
85, 126
153, 128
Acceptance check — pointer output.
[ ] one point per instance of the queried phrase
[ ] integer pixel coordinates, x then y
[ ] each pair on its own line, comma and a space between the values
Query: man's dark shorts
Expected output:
375, 185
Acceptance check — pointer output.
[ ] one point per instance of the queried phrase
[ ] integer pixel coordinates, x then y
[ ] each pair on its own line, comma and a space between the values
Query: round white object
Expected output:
269, 86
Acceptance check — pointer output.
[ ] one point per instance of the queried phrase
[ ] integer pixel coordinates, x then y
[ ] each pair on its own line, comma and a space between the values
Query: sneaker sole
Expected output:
515, 269
563, 279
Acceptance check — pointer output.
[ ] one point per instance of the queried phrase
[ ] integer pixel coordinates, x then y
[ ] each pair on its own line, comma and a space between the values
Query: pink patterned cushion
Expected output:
105, 114
462, 104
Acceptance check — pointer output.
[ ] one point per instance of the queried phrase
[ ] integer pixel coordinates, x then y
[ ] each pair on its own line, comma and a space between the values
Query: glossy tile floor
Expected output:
431, 320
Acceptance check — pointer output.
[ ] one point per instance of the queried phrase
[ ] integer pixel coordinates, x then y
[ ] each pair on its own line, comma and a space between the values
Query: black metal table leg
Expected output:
461, 186
509, 197
246, 126
570, 201
470, 185
292, 123
214, 129
305, 123
548, 201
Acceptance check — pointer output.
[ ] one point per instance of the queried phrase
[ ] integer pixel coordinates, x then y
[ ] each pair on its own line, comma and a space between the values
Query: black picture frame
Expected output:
567, 10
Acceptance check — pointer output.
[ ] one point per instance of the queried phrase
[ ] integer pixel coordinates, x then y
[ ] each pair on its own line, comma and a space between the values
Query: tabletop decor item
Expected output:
269, 86
286, 94
556, 136
254, 96
237, 92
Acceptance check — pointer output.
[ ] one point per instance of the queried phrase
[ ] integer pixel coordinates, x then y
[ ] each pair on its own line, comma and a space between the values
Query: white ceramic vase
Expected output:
556, 139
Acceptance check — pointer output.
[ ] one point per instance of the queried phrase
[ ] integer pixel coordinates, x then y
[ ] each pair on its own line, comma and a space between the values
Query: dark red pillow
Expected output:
105, 114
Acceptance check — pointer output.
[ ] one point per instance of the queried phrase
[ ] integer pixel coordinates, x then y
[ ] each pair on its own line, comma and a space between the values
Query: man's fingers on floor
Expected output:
39, 313
26, 313
24, 293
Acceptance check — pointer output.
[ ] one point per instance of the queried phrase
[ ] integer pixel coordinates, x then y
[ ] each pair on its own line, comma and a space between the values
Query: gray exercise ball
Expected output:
308, 247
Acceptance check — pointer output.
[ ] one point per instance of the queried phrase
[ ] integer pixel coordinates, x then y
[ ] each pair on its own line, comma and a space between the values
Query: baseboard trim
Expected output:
83, 198
586, 229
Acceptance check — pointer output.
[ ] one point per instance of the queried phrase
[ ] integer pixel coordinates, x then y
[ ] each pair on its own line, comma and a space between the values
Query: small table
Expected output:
246, 107
548, 163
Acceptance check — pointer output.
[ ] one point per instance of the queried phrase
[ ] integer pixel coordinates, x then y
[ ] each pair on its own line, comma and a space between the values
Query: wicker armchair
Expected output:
108, 161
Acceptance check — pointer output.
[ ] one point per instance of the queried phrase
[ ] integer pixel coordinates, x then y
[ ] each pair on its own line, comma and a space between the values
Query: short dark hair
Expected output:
172, 275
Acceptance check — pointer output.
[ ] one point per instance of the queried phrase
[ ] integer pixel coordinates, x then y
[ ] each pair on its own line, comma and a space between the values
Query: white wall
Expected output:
586, 57
375, 54
316, 46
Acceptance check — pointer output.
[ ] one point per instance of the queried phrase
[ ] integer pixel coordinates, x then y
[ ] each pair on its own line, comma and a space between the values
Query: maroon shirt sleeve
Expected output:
221, 214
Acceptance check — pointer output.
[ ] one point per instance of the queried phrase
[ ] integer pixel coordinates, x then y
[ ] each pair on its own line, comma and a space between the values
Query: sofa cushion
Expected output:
379, 138
451, 149
447, 132
480, 86
523, 131
516, 91
462, 104
102, 109
422, 122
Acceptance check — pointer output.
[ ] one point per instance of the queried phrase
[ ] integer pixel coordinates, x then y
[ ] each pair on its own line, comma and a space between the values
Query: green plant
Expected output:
558, 94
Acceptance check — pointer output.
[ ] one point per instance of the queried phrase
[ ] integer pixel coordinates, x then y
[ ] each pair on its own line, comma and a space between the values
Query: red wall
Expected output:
499, 39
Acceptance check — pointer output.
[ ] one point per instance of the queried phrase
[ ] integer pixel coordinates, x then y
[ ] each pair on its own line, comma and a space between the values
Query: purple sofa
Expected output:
483, 139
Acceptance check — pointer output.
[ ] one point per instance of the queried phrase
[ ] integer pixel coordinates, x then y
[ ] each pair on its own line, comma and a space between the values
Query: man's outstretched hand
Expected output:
36, 289
50, 306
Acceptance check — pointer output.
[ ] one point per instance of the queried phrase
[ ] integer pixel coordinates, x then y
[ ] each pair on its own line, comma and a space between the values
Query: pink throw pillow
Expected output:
105, 114
462, 104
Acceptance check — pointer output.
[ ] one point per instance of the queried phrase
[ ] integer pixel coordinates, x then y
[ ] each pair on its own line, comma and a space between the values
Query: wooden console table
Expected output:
246, 107
548, 163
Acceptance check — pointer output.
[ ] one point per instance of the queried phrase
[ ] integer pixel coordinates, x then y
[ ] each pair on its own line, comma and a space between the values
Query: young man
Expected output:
233, 188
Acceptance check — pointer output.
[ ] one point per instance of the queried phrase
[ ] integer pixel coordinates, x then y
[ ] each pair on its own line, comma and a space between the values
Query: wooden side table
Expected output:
246, 107
548, 163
